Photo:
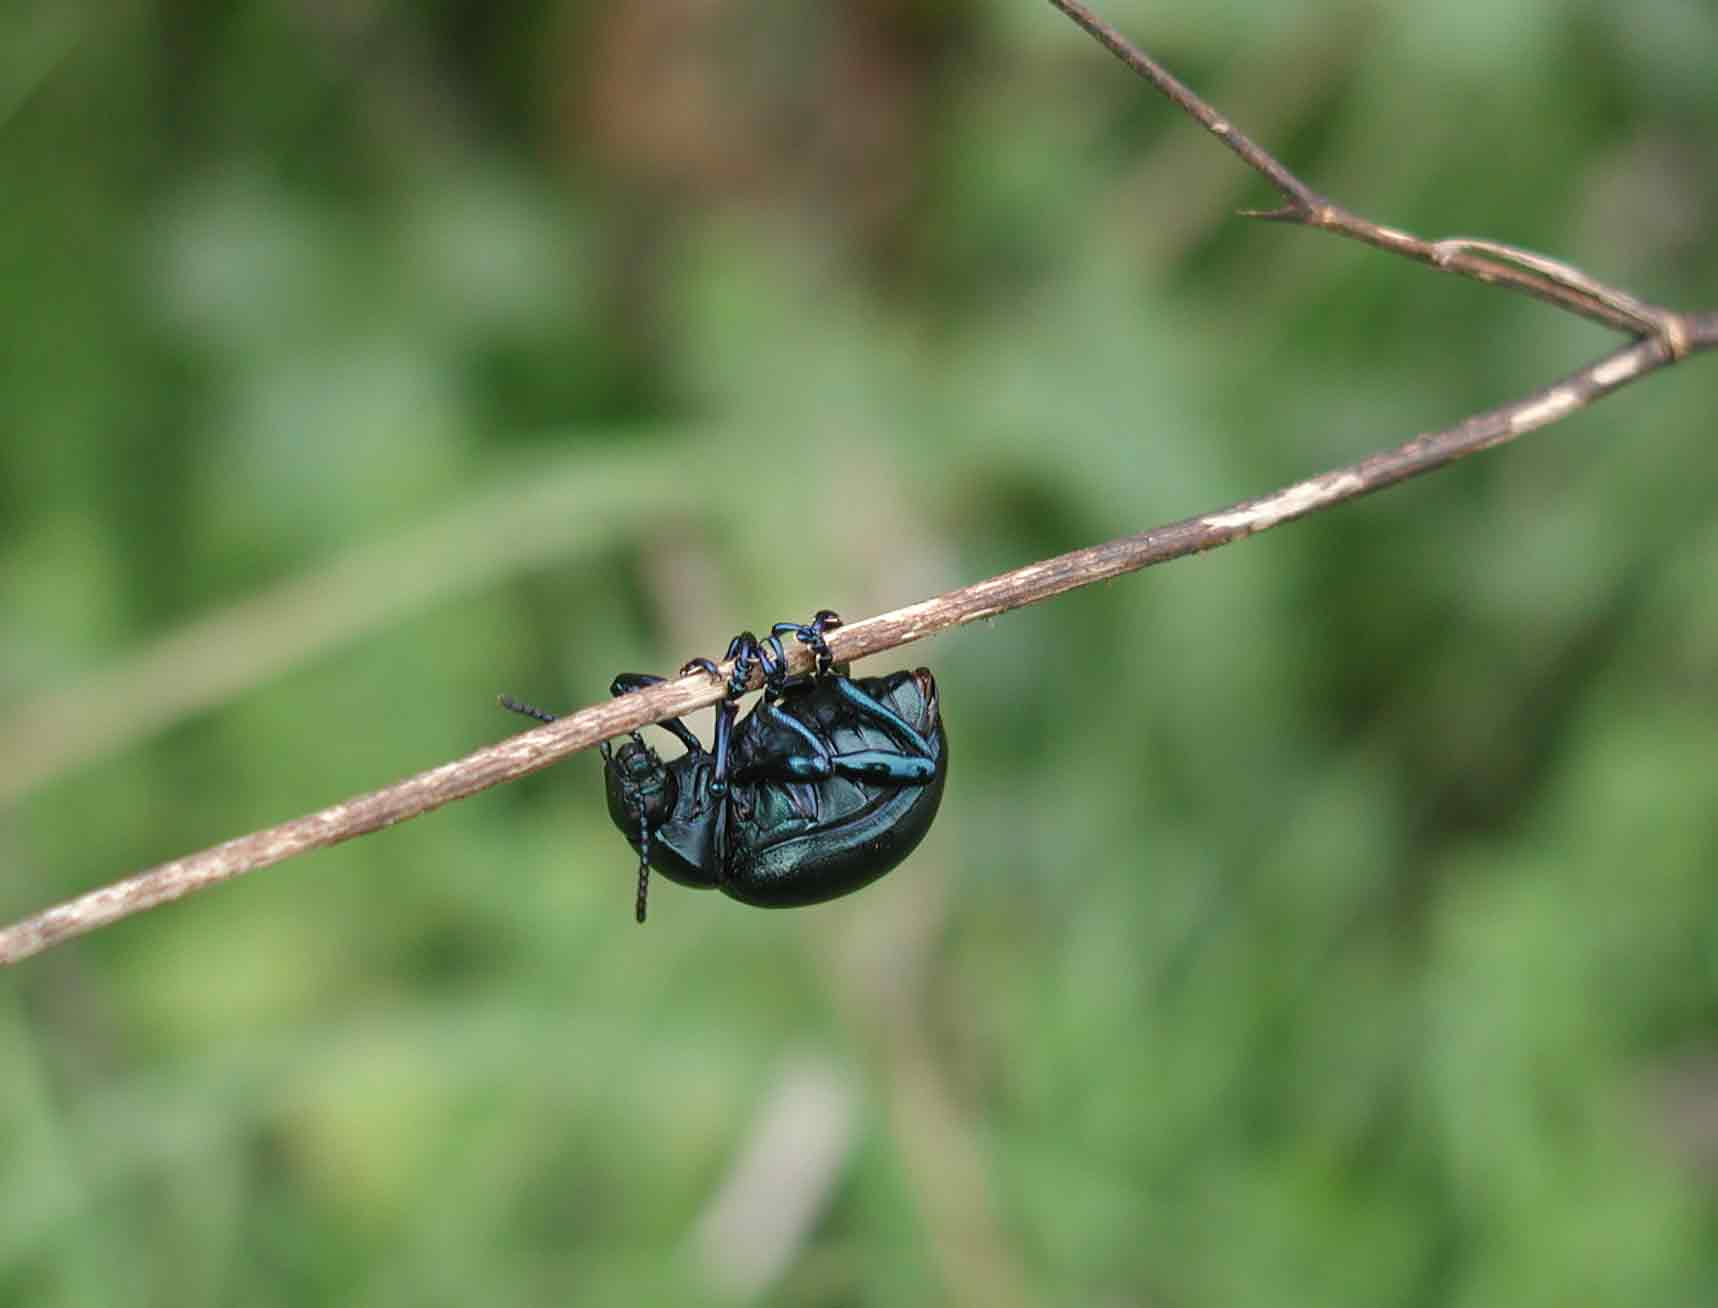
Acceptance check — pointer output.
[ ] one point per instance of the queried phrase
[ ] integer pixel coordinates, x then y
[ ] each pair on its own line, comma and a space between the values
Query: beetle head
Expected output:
641, 795
641, 789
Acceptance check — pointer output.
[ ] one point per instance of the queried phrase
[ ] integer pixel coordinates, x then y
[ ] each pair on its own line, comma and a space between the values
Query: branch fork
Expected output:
1658, 337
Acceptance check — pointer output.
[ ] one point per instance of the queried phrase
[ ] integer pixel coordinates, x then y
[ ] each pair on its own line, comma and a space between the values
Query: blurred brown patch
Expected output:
823, 109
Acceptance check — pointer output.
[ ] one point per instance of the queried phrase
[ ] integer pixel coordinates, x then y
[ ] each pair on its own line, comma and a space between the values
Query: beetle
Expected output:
828, 783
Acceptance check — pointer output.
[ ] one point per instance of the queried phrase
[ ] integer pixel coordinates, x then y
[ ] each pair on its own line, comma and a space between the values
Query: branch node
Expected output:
1678, 340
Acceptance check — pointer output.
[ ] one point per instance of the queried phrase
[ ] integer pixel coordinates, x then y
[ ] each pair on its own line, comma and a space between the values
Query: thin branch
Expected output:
1518, 270
538, 748
518, 521
1664, 338
1300, 196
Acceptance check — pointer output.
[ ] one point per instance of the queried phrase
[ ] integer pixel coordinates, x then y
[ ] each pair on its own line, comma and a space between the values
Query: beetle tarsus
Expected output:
812, 633
774, 658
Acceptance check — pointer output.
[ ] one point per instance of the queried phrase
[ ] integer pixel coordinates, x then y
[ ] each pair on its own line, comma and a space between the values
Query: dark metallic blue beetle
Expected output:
829, 782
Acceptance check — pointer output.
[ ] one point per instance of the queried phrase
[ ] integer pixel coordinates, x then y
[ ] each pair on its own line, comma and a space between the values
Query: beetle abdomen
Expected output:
825, 863
805, 843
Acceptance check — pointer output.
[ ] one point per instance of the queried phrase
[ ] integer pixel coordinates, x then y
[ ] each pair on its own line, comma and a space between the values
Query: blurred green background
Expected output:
1328, 920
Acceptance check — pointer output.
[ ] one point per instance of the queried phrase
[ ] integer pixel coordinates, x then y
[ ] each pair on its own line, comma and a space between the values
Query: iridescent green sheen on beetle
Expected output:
828, 783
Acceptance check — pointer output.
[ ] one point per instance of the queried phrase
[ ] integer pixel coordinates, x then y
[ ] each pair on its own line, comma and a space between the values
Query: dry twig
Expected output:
1660, 337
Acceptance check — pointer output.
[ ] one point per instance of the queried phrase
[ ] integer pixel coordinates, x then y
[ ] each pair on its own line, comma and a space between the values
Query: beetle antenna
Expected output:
514, 706
643, 869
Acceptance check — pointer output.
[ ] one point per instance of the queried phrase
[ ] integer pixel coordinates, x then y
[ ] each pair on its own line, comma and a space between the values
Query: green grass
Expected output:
1328, 920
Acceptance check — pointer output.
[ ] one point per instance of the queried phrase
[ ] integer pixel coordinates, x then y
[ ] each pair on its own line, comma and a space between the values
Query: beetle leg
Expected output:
627, 682
774, 659
726, 711
914, 765
799, 757
797, 754
886, 765
885, 717
811, 633
741, 650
